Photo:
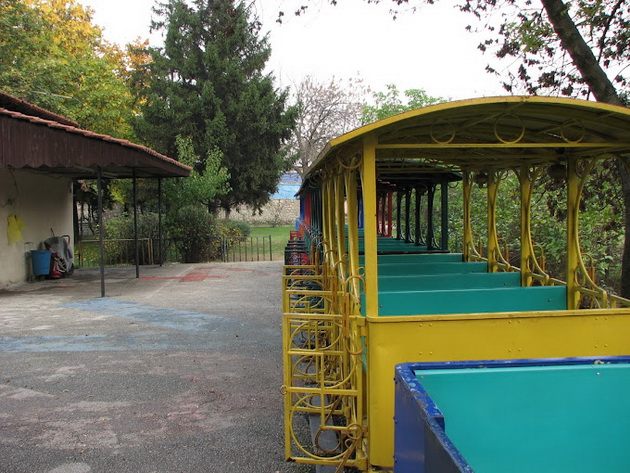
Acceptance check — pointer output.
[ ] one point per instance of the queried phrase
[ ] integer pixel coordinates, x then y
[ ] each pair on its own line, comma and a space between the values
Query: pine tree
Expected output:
207, 83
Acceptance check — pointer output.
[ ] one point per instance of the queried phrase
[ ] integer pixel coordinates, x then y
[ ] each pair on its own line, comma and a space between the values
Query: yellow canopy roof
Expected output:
487, 133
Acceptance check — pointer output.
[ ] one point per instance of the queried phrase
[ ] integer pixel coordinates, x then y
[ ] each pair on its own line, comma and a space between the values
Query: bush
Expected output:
193, 231
119, 225
234, 228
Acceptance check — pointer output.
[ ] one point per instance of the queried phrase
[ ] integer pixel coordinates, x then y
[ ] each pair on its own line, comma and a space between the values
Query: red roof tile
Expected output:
49, 145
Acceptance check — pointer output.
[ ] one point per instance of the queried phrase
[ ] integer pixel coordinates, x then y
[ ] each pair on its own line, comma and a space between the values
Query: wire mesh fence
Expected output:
120, 252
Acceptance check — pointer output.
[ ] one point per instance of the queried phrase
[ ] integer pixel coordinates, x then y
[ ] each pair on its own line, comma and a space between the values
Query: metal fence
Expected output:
175, 250
256, 248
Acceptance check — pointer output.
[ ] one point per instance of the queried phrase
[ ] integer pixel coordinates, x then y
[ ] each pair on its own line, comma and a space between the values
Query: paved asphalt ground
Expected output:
178, 371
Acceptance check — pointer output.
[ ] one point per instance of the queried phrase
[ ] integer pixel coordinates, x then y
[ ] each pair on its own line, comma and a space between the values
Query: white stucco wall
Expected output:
42, 202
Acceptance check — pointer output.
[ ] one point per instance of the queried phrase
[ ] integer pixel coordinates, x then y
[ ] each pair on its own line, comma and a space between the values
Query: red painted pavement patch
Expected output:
196, 276
242, 270
190, 277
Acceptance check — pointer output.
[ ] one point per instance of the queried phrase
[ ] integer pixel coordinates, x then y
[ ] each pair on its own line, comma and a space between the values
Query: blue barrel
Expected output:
41, 262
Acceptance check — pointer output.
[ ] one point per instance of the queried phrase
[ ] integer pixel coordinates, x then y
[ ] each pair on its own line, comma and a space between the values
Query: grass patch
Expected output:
279, 238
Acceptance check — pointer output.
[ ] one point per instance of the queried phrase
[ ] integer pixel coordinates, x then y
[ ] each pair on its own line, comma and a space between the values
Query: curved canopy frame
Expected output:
491, 132
480, 138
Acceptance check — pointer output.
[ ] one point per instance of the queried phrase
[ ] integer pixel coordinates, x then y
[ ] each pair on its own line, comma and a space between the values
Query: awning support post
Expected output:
135, 222
430, 229
160, 243
101, 230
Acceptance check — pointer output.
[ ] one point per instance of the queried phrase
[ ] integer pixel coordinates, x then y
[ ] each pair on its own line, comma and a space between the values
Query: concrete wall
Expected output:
41, 202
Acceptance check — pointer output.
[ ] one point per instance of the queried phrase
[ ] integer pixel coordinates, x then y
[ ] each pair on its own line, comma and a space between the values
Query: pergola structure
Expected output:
35, 139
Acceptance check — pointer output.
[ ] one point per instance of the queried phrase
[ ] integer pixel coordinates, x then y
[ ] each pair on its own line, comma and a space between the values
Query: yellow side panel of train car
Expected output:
394, 340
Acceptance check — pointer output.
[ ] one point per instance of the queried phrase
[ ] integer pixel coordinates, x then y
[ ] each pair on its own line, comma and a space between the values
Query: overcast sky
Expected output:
428, 49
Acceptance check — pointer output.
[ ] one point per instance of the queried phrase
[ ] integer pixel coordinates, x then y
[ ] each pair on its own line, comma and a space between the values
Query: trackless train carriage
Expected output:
411, 345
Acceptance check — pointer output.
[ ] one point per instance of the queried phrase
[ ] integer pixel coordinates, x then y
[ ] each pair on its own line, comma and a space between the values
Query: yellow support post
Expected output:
324, 209
340, 220
468, 238
525, 180
328, 207
573, 243
493, 246
368, 186
353, 225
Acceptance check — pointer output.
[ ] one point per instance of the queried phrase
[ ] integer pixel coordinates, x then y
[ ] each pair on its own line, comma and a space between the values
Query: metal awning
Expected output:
38, 140
18, 105
51, 147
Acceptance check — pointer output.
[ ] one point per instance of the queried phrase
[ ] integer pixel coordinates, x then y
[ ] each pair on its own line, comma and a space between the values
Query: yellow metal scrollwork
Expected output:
520, 128
450, 132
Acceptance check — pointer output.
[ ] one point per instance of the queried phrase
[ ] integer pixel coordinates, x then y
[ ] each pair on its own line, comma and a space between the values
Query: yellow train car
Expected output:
383, 286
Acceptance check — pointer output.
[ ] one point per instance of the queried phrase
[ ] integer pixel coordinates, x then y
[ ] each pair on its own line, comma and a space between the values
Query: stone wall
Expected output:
276, 212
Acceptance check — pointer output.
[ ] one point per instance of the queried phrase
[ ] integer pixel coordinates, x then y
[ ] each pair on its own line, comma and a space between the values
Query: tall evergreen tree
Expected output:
207, 83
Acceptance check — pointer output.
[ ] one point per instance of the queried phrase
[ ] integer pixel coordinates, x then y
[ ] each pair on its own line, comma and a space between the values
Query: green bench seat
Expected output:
417, 258
448, 281
418, 268
462, 301
390, 241
391, 245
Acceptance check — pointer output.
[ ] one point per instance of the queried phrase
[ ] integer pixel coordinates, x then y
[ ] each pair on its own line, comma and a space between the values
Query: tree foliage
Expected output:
574, 49
600, 228
390, 103
554, 45
329, 109
546, 46
53, 56
325, 110
207, 83
198, 188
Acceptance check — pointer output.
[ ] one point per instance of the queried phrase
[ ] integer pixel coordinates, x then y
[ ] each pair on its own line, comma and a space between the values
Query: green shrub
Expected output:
119, 226
234, 228
193, 231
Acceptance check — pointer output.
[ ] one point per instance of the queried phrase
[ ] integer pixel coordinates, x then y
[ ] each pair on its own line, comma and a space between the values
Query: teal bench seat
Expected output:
448, 281
462, 301
390, 245
418, 268
417, 258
